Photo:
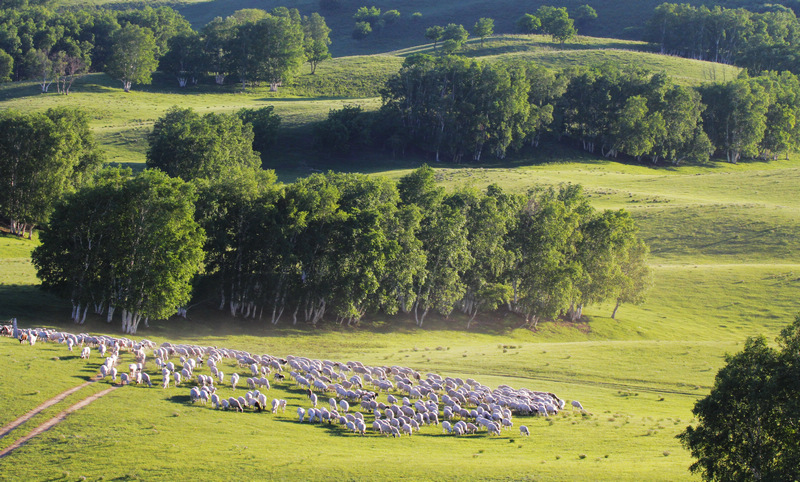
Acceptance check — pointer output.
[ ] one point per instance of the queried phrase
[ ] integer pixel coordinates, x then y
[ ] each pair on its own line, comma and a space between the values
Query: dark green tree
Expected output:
556, 23
528, 23
184, 144
747, 427
265, 123
42, 157
434, 34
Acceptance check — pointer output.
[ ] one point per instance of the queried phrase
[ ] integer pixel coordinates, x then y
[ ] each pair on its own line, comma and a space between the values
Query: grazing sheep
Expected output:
85, 352
124, 379
194, 394
146, 379
577, 404
234, 380
301, 413
275, 403
177, 377
215, 400
523, 430
345, 406
313, 397
113, 374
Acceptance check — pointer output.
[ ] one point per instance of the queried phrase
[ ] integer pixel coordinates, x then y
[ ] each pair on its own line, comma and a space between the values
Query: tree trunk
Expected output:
616, 307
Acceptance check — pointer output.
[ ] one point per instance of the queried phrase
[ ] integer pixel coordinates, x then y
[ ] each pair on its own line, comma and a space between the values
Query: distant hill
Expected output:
618, 19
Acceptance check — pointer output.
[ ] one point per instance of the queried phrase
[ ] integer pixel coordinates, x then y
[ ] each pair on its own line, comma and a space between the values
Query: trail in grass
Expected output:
55, 420
49, 403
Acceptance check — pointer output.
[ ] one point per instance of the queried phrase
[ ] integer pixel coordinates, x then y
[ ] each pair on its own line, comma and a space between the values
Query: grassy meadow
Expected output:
724, 251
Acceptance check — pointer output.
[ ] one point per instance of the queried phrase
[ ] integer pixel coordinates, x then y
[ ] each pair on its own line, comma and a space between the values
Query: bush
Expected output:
361, 30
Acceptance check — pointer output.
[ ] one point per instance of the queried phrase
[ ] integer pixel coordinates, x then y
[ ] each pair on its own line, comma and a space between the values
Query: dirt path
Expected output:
55, 420
49, 403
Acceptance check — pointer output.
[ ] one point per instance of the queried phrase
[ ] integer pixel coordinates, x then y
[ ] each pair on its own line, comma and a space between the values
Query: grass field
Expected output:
724, 242
725, 251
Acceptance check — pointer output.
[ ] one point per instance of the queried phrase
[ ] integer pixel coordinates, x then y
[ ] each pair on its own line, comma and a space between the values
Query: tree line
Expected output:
251, 46
456, 109
767, 40
330, 245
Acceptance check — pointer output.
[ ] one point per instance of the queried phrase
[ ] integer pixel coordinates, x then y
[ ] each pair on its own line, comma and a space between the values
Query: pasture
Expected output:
724, 250
723, 239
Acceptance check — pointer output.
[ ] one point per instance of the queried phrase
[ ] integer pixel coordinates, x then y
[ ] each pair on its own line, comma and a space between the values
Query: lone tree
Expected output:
316, 40
434, 33
748, 425
528, 23
133, 56
556, 23
483, 28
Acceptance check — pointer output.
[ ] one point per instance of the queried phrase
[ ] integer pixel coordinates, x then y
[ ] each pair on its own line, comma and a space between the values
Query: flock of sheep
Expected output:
352, 388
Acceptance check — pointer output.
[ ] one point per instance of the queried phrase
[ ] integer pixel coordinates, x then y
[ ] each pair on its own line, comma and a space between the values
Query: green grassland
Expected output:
726, 260
638, 375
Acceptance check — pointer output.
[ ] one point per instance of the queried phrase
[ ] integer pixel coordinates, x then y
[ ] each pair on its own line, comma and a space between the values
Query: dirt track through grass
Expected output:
47, 404
53, 421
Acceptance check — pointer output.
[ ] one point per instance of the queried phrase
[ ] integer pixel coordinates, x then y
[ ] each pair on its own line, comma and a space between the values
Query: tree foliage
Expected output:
316, 40
133, 56
186, 145
124, 242
43, 156
748, 425
483, 28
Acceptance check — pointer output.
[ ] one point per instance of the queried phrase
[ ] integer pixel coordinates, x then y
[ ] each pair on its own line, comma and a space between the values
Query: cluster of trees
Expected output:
452, 36
555, 22
252, 45
456, 108
39, 43
757, 41
123, 242
748, 425
370, 19
336, 244
43, 156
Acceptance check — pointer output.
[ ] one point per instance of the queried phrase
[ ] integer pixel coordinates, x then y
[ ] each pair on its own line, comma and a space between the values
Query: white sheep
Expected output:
344, 406
177, 377
85, 352
234, 380
313, 397
577, 404
523, 430
301, 413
